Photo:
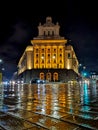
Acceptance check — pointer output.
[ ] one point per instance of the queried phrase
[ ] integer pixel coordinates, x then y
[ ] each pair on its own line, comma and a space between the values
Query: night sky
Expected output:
78, 23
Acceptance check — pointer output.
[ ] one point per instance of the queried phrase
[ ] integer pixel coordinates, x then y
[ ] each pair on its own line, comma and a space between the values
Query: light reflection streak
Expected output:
86, 95
50, 99
94, 91
1, 95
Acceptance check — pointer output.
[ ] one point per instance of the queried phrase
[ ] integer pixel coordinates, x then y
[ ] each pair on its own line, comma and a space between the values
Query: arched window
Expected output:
42, 76
48, 76
55, 76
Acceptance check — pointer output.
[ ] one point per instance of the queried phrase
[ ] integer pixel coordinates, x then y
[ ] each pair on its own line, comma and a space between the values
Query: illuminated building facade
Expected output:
49, 57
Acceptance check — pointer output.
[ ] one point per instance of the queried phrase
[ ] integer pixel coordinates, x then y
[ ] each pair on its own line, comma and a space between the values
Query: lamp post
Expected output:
83, 72
81, 68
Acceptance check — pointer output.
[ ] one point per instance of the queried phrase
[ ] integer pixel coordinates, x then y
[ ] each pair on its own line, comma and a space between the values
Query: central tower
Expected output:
49, 46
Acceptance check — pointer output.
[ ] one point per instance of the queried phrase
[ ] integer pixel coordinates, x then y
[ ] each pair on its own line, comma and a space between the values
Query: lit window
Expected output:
54, 61
42, 50
37, 55
48, 61
42, 61
36, 61
60, 61
48, 55
54, 50
60, 49
60, 55
37, 50
42, 66
48, 49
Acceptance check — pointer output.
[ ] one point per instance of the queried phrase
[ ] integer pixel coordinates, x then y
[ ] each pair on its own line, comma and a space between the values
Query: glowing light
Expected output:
53, 57
42, 57
0, 60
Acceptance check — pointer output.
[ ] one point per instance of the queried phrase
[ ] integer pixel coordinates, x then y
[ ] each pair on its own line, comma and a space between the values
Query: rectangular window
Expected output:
48, 50
42, 66
42, 50
48, 61
36, 55
36, 61
42, 61
54, 50
52, 33
42, 55
48, 55
68, 55
60, 55
60, 66
36, 66
48, 33
60, 61
60, 49
54, 61
37, 50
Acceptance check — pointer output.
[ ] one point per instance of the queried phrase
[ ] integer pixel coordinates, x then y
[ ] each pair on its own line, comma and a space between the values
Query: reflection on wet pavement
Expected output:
49, 106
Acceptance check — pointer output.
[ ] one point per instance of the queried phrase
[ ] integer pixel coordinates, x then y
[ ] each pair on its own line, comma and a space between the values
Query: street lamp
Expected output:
81, 68
1, 61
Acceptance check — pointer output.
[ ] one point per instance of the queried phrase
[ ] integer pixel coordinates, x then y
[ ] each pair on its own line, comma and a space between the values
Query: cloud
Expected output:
13, 45
20, 33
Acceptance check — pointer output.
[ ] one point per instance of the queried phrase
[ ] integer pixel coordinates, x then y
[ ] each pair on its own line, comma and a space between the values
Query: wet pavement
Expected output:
49, 107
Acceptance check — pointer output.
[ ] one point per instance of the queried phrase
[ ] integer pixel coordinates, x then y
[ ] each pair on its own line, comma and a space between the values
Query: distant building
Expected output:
14, 76
49, 57
94, 76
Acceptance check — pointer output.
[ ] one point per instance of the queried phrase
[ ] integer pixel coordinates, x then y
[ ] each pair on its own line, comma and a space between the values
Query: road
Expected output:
49, 107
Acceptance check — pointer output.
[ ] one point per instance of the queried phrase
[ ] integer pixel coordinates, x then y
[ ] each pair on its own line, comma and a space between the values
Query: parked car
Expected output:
37, 81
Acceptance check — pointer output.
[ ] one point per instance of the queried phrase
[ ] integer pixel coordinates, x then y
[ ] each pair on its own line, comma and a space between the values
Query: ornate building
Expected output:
49, 57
